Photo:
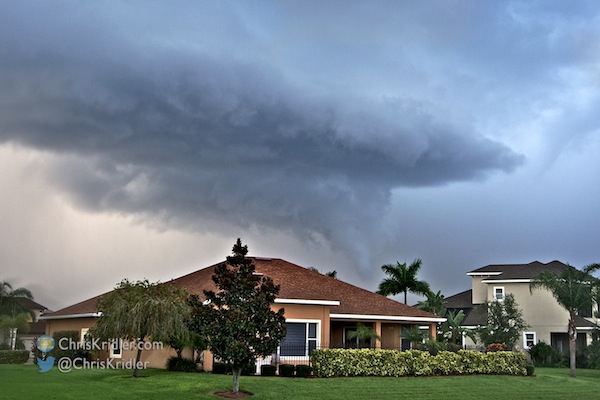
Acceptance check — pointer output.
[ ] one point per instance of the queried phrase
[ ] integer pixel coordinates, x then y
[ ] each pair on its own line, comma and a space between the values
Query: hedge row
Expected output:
368, 362
14, 356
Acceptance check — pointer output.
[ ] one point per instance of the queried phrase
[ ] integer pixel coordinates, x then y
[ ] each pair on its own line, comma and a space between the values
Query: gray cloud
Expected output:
181, 136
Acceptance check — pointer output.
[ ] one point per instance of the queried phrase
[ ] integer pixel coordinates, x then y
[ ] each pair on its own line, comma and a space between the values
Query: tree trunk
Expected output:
236, 380
140, 344
405, 296
572, 344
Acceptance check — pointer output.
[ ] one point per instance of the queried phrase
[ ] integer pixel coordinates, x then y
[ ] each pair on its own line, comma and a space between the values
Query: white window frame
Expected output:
318, 338
502, 290
534, 340
119, 348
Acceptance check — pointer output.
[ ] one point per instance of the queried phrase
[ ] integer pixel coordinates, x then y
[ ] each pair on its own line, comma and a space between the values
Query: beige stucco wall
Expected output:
72, 324
480, 294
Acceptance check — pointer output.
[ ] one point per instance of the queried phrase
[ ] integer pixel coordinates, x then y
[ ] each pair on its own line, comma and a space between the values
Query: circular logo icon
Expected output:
45, 343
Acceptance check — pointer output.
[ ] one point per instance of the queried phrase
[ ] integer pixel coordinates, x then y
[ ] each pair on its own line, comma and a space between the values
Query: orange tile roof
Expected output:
296, 283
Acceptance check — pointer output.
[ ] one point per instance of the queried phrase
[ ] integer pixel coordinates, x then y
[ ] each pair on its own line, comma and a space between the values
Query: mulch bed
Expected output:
231, 395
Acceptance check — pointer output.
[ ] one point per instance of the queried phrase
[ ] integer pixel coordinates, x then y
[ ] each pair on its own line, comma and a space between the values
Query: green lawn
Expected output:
24, 382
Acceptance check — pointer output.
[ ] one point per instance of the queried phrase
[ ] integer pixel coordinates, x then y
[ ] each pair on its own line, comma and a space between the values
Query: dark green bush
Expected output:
593, 355
14, 357
544, 354
286, 370
249, 369
181, 364
224, 368
268, 370
302, 371
530, 369
221, 368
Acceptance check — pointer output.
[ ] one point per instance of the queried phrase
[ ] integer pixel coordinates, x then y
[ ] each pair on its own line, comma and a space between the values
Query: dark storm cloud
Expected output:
197, 140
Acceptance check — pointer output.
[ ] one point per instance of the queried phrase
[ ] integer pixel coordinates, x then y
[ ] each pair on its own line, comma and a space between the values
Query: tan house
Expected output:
547, 320
320, 311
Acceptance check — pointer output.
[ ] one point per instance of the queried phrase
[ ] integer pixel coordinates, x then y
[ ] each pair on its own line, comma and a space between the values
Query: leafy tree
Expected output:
363, 334
331, 274
15, 316
574, 290
403, 279
141, 310
504, 322
434, 303
237, 321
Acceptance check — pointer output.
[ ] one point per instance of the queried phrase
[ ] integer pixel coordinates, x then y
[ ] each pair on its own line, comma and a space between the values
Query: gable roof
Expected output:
298, 285
460, 300
496, 272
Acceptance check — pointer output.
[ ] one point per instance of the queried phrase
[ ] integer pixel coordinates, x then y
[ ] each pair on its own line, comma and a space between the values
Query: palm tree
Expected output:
402, 279
434, 303
573, 290
13, 311
363, 334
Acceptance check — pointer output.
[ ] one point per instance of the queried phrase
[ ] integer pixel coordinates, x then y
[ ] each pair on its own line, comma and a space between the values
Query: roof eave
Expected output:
69, 316
387, 317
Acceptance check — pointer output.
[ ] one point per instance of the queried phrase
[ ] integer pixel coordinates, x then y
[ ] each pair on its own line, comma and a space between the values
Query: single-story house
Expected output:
320, 311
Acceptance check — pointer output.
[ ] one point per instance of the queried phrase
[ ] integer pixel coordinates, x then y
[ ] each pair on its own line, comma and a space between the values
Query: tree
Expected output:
141, 310
402, 279
331, 274
363, 335
16, 316
452, 329
237, 321
574, 290
434, 303
504, 322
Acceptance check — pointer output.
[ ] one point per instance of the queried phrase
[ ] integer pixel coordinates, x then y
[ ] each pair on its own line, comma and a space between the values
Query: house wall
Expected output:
308, 312
390, 336
541, 311
480, 294
71, 324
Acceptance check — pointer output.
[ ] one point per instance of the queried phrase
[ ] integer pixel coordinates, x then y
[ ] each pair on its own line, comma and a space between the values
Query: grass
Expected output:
24, 382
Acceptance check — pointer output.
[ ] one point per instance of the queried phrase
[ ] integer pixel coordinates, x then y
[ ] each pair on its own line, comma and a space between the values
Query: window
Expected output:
301, 339
529, 340
115, 348
499, 293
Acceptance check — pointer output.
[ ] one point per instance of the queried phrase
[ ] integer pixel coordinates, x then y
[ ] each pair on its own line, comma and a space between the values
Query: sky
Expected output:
140, 139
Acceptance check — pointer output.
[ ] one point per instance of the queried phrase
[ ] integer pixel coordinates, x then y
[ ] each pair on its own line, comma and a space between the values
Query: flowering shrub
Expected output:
369, 362
495, 347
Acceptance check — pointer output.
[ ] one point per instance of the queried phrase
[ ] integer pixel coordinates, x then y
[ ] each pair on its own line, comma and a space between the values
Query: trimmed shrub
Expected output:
14, 356
221, 368
249, 369
530, 369
368, 362
302, 371
544, 354
225, 368
268, 370
181, 364
593, 355
492, 347
286, 370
